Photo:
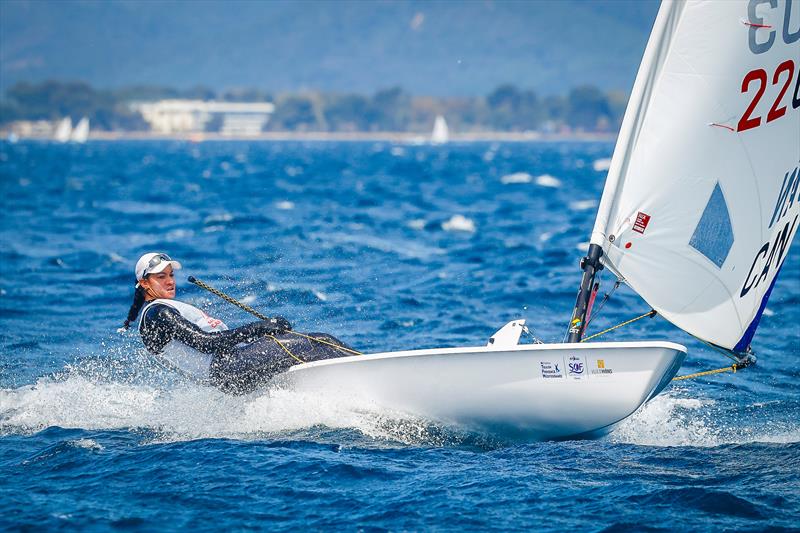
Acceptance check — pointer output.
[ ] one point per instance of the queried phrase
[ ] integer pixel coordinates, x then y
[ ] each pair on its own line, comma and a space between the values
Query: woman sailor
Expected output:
235, 360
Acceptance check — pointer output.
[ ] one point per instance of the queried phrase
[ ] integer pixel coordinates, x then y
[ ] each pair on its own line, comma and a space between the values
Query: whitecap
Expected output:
417, 223
250, 298
220, 217
178, 234
582, 205
87, 444
516, 177
321, 296
546, 180
601, 165
398, 151
293, 170
285, 205
459, 223
396, 246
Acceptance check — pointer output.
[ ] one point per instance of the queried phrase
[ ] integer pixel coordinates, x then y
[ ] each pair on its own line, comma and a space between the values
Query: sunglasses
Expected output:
154, 262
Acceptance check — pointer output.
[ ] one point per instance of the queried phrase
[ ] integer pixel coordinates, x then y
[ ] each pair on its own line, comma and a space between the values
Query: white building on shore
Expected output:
194, 116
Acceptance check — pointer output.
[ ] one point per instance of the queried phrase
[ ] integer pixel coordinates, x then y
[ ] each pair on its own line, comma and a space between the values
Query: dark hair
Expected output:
136, 306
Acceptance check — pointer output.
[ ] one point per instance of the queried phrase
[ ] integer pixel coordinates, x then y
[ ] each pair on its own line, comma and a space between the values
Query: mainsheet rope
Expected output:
255, 313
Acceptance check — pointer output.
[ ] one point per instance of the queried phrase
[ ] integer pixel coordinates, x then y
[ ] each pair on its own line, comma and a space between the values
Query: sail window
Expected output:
713, 236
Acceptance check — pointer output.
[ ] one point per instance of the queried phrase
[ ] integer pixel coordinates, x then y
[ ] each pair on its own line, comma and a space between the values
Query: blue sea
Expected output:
388, 246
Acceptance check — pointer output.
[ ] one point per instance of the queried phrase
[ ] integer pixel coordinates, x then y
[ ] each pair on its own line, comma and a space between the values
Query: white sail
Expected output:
440, 133
81, 132
63, 130
701, 201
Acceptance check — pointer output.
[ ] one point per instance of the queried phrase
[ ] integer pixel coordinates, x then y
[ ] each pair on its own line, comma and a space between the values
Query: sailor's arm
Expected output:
164, 324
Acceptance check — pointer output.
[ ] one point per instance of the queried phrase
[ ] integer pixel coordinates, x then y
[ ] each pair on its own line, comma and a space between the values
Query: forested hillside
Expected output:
440, 48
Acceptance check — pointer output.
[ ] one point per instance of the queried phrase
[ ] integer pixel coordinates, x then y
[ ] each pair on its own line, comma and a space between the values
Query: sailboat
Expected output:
81, 132
440, 133
63, 130
698, 212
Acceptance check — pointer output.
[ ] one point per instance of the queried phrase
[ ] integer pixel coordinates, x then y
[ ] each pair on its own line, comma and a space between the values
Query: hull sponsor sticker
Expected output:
551, 369
576, 367
601, 369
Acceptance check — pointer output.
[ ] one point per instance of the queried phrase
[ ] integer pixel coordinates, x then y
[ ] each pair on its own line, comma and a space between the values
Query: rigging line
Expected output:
285, 349
727, 354
255, 313
321, 341
602, 303
733, 368
651, 313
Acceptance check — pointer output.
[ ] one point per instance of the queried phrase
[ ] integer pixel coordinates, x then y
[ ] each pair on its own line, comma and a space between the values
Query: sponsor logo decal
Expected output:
576, 367
601, 368
551, 370
642, 220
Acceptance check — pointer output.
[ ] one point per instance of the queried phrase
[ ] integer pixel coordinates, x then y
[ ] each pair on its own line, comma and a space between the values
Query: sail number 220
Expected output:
783, 77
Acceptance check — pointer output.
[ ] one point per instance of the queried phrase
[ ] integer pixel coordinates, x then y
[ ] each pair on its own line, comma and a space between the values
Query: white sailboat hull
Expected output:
519, 392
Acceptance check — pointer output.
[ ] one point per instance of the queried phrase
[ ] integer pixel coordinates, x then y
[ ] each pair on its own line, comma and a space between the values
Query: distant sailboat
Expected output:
440, 133
63, 130
81, 131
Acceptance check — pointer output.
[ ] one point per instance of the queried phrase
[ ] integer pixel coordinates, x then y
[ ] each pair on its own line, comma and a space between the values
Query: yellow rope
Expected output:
651, 313
733, 368
285, 349
309, 337
255, 313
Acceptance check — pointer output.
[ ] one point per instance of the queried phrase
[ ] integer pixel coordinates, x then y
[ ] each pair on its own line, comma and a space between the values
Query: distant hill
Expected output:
437, 48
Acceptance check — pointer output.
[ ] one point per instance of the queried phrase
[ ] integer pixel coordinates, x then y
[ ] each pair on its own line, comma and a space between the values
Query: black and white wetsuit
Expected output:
235, 360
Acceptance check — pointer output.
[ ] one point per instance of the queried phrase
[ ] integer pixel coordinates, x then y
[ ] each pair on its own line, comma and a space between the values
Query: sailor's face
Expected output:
161, 285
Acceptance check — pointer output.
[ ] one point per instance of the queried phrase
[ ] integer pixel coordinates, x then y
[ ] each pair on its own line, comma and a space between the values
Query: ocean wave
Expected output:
546, 180
516, 177
459, 223
673, 420
186, 411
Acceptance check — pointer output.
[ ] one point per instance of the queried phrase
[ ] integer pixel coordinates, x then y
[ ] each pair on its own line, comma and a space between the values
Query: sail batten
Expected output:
697, 210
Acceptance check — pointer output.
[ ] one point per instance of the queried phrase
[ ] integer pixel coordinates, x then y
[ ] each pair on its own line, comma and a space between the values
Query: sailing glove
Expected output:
270, 326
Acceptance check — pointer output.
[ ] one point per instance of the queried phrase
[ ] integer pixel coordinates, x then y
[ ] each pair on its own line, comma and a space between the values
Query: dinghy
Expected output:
697, 215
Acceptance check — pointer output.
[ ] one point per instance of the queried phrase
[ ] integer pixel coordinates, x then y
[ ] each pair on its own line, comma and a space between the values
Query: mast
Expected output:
590, 265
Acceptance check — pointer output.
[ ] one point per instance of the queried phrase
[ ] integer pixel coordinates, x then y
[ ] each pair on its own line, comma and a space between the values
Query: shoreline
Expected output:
324, 136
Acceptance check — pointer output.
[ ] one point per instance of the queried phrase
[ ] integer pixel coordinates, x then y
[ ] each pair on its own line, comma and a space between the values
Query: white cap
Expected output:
153, 263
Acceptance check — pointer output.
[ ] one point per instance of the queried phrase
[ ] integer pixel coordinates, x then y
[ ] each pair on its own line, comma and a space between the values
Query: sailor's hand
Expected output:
280, 324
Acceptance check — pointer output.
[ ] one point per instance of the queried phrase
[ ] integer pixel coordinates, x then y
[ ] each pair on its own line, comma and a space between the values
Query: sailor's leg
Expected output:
320, 346
250, 366
253, 365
